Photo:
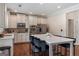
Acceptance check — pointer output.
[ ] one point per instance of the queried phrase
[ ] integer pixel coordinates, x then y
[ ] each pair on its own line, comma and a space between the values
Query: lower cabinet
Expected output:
76, 50
22, 49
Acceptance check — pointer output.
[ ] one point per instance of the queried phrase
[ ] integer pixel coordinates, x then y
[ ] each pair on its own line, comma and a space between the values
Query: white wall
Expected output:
76, 21
57, 21
2, 15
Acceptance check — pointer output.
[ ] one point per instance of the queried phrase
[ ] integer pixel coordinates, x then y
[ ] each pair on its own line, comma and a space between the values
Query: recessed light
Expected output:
41, 3
15, 10
58, 6
30, 12
42, 14
20, 5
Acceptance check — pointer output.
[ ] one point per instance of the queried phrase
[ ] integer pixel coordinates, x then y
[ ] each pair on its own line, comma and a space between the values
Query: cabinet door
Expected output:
2, 15
32, 20
22, 49
41, 20
21, 37
12, 21
17, 50
21, 18
77, 50
27, 49
17, 18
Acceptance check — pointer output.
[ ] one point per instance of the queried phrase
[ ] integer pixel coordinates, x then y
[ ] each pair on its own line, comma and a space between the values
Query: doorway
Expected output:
70, 24
70, 28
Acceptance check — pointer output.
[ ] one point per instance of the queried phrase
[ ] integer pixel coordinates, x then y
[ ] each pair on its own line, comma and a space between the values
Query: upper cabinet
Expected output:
14, 19
42, 20
12, 22
34, 20
21, 18
2, 15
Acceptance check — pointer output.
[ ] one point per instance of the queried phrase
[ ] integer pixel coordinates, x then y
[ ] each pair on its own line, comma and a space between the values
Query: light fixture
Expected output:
19, 5
58, 6
30, 12
41, 3
15, 11
43, 14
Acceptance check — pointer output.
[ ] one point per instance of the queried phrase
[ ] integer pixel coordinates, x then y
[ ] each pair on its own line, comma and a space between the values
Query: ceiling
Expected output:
39, 8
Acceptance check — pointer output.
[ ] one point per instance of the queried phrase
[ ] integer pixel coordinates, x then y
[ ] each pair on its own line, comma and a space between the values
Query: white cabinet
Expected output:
34, 20
29, 20
21, 37
18, 18
21, 18
12, 21
42, 20
2, 15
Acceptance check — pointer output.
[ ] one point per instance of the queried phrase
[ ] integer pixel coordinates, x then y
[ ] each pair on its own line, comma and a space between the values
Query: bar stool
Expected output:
36, 49
44, 47
31, 40
4, 48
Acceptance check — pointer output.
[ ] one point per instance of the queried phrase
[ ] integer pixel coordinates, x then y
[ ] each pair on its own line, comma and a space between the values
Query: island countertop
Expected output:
7, 40
7, 36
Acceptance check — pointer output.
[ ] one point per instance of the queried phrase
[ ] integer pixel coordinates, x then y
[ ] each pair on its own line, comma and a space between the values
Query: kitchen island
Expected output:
7, 40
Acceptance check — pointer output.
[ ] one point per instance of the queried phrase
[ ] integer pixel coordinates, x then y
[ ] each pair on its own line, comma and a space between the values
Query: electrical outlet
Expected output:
61, 30
0, 51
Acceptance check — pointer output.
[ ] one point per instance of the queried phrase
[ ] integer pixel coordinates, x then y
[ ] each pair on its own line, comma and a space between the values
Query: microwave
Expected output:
21, 25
